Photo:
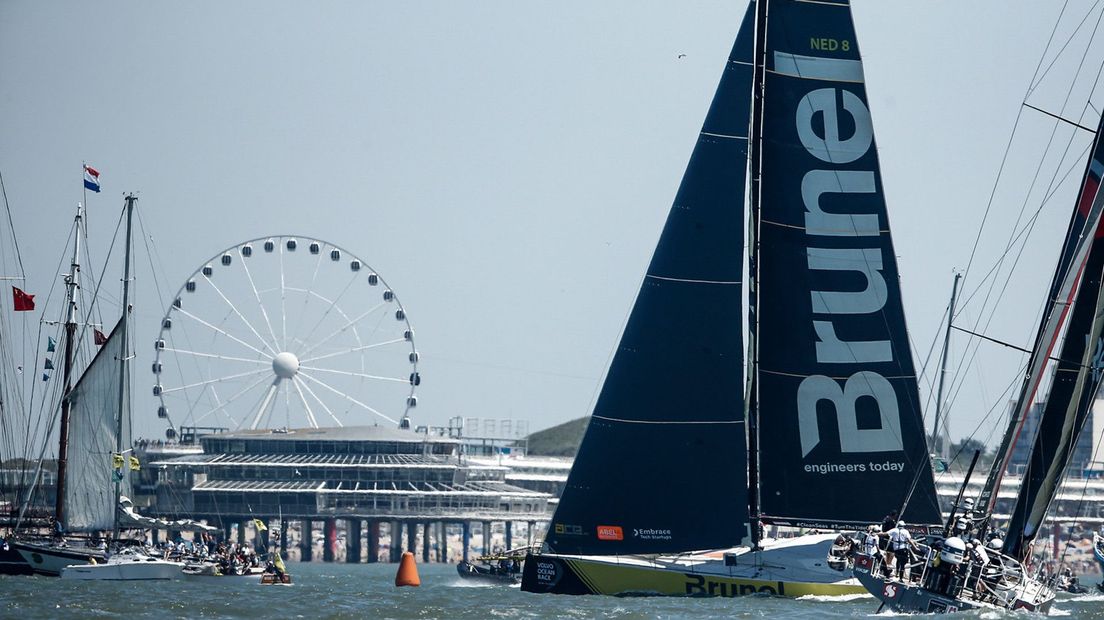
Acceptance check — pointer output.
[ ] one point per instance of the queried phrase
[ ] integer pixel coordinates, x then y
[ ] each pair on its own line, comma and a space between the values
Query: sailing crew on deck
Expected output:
888, 523
902, 544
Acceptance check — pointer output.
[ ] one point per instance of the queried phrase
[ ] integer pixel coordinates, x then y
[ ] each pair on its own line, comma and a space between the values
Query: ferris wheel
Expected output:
280, 332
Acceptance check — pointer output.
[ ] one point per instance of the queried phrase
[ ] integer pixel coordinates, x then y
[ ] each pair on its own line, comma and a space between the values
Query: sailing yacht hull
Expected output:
909, 597
50, 560
791, 568
12, 563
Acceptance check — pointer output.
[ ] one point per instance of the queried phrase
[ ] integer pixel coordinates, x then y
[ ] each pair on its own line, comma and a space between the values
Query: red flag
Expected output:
23, 301
99, 336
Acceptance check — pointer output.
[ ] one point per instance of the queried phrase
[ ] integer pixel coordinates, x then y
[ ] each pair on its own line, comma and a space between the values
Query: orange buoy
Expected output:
408, 572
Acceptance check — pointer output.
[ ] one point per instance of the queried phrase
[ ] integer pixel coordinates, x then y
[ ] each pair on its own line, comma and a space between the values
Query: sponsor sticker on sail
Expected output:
610, 532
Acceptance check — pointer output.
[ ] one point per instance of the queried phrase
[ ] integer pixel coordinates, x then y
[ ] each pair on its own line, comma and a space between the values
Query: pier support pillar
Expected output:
486, 537
509, 535
425, 543
330, 539
373, 541
241, 533
465, 538
442, 542
396, 541
283, 537
306, 540
529, 533
352, 541
412, 537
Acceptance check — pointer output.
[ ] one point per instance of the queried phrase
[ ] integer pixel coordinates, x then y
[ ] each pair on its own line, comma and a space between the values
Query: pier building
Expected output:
363, 484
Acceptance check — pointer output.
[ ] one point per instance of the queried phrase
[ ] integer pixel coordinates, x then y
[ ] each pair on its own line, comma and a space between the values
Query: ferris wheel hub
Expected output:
285, 365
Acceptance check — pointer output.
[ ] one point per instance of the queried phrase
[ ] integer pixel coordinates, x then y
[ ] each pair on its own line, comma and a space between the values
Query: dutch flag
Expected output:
91, 178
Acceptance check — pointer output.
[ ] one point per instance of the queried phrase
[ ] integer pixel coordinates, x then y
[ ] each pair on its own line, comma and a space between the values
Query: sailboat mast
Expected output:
72, 283
938, 445
755, 153
123, 358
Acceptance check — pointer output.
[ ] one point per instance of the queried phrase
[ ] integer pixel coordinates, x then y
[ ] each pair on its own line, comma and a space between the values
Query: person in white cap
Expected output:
901, 543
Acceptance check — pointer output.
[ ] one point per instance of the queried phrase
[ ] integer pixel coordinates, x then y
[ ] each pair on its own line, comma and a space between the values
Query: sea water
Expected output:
368, 591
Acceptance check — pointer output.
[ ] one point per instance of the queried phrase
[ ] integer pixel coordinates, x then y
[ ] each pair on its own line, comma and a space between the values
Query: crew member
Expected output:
901, 543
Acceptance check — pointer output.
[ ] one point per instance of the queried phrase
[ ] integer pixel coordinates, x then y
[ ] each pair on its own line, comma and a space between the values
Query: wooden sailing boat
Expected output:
671, 472
93, 462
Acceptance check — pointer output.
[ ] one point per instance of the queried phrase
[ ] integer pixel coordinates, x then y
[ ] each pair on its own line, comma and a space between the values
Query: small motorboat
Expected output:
496, 568
127, 565
275, 573
204, 568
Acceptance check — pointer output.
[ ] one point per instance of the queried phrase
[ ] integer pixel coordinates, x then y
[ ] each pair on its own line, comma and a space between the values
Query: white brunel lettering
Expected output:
818, 121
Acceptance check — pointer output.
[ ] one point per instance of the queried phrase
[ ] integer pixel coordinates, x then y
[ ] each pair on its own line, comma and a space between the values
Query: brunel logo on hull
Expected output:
698, 585
820, 115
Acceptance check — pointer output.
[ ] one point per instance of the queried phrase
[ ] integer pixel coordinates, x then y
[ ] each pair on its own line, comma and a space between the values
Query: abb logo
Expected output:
610, 532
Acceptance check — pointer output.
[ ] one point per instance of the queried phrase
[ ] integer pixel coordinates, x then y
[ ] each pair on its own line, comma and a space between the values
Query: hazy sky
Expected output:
506, 166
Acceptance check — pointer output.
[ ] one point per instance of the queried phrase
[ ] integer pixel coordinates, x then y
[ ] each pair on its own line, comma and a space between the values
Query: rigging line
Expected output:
1025, 230
1004, 158
11, 226
38, 339
1055, 116
1037, 79
1025, 235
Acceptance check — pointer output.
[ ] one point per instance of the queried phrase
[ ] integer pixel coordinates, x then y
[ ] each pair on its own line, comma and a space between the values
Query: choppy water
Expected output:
367, 591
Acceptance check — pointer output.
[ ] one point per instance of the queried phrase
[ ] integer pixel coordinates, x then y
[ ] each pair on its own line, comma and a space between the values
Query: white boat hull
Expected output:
126, 569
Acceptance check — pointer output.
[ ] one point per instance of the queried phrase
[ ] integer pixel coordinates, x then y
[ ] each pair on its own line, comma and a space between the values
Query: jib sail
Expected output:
662, 466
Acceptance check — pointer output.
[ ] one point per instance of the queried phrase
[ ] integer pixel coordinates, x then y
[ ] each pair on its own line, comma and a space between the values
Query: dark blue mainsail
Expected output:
1077, 374
839, 424
662, 467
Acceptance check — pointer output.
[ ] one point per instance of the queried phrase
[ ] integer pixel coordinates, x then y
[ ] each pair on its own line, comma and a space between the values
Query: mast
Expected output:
755, 154
72, 283
939, 447
123, 359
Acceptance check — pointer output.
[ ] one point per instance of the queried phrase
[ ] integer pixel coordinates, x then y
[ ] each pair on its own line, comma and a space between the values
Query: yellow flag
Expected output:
259, 525
134, 464
279, 563
117, 461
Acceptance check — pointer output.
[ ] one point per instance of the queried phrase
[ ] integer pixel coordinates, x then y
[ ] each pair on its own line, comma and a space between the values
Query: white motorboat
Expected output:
129, 565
